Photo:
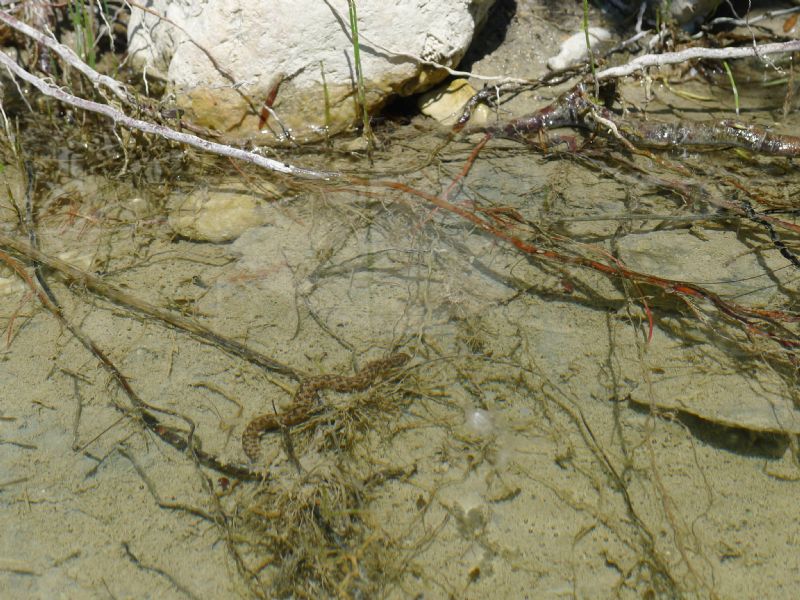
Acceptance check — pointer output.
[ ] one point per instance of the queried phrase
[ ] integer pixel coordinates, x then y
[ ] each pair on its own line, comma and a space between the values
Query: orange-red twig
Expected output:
741, 314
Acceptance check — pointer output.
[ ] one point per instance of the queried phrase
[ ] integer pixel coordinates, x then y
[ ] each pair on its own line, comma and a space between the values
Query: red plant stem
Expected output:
618, 270
468, 165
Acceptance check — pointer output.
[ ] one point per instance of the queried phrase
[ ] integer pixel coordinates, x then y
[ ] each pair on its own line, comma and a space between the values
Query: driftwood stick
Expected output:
673, 58
68, 56
72, 275
118, 117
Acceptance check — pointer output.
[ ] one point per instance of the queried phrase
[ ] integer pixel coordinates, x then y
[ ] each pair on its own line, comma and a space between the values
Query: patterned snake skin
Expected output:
306, 397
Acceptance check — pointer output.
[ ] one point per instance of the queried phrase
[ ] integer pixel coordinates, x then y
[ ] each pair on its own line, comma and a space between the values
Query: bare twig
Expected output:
160, 130
752, 21
672, 58
68, 56
71, 274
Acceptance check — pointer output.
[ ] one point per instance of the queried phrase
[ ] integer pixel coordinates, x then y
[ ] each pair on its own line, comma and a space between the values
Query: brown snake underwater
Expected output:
305, 399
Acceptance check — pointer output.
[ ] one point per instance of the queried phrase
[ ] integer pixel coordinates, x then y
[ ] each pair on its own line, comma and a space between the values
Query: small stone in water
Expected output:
479, 422
446, 102
216, 215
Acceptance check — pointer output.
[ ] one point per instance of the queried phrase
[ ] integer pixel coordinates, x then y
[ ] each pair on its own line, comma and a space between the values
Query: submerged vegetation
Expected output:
482, 354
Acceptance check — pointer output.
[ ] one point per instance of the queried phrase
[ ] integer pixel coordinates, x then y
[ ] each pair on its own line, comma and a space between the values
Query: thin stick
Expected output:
184, 138
73, 275
146, 413
672, 58
68, 56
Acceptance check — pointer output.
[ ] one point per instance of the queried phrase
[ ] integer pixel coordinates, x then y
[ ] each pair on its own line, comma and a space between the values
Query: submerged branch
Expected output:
182, 441
74, 276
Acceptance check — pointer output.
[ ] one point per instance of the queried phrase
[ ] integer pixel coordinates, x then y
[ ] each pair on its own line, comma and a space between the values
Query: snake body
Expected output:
305, 399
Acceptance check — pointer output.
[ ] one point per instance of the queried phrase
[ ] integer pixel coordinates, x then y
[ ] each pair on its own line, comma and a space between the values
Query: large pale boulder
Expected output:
222, 59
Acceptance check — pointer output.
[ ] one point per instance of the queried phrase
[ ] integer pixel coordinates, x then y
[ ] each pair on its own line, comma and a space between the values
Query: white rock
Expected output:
573, 49
217, 215
258, 43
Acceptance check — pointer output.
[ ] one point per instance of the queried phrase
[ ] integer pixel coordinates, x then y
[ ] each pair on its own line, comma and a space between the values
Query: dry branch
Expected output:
673, 58
118, 117
67, 55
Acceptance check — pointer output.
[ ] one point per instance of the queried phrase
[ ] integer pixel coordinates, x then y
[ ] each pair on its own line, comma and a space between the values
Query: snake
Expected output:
305, 399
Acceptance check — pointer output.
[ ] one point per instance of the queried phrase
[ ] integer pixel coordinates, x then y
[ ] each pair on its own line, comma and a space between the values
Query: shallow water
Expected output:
557, 431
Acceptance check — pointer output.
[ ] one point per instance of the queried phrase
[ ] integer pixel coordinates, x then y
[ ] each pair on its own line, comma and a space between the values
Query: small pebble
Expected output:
217, 215
446, 102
